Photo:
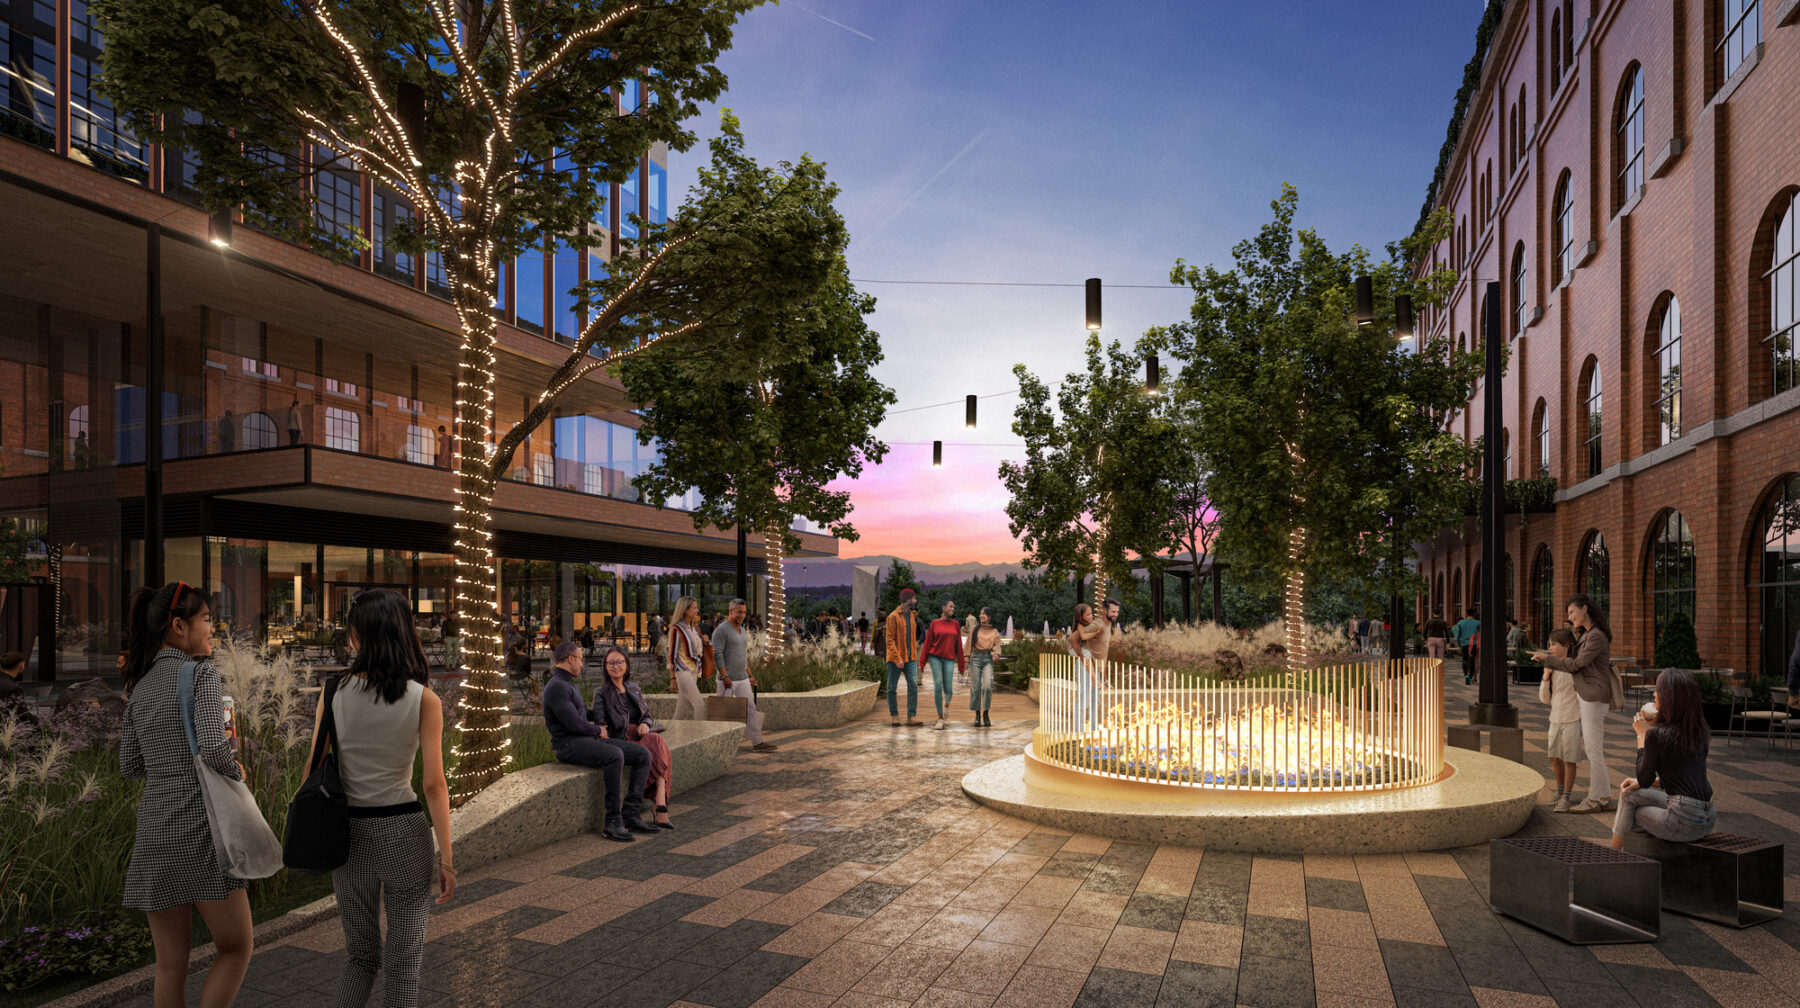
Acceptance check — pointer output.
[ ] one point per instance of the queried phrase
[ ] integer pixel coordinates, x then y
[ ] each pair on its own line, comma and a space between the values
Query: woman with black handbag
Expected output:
175, 868
382, 716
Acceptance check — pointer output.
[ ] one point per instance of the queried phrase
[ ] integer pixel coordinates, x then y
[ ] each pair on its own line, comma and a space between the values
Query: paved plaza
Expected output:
848, 870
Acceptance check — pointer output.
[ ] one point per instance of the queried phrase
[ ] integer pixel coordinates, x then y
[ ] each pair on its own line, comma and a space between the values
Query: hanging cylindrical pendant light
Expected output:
1403, 317
969, 412
218, 228
937, 454
1152, 374
1365, 301
1093, 303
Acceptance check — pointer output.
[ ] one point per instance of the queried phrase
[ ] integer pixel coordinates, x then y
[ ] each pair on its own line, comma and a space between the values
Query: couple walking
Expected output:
942, 647
694, 655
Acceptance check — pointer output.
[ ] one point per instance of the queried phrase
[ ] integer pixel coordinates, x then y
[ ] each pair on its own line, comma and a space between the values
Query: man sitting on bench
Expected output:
1670, 796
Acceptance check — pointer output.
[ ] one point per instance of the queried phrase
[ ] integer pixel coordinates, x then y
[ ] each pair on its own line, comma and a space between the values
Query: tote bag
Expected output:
318, 822
242, 840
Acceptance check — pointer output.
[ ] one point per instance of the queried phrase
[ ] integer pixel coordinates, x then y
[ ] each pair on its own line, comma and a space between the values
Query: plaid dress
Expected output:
172, 859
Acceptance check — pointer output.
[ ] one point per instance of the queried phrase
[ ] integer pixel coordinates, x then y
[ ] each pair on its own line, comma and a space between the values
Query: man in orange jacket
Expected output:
903, 658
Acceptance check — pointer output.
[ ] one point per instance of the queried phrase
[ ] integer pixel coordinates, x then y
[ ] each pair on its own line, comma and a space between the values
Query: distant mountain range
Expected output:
831, 573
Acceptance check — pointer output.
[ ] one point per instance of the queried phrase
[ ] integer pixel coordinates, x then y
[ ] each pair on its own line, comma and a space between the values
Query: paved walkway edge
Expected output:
142, 979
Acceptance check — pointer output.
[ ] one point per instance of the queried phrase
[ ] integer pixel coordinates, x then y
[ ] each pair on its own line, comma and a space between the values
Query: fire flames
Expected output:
1258, 744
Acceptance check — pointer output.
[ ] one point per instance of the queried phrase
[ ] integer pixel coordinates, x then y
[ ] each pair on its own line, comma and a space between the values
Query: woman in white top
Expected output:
384, 715
687, 659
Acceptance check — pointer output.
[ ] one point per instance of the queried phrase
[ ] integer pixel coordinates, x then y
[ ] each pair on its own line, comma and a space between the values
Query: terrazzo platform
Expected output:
1480, 798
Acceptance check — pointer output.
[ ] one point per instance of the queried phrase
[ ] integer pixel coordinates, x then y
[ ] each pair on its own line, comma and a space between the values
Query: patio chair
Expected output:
1742, 710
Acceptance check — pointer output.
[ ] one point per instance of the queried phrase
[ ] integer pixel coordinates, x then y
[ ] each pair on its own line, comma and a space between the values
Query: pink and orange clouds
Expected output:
954, 514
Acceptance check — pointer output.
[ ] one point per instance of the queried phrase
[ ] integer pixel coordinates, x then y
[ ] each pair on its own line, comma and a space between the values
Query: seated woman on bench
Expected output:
1670, 797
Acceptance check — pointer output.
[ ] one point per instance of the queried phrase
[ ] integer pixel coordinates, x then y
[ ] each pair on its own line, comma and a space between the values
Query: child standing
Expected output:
1558, 690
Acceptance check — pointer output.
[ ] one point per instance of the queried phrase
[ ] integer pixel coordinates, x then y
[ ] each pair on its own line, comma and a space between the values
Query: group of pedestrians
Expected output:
945, 648
383, 715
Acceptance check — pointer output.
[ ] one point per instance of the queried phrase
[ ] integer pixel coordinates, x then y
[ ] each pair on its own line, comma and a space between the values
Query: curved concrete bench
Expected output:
528, 809
828, 707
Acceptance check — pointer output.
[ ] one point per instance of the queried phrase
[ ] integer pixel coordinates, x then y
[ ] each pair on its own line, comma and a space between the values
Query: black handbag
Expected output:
318, 821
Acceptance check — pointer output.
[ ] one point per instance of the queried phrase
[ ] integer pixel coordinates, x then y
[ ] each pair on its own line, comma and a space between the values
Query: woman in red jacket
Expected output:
944, 652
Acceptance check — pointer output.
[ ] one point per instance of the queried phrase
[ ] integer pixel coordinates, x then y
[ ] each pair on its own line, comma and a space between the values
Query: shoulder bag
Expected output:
318, 822
707, 664
242, 841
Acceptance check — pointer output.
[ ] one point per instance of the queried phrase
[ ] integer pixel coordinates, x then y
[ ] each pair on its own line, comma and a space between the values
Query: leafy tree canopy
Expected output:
1312, 421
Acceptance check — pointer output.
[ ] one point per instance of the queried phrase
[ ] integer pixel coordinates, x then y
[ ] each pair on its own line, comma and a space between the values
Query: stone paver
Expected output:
848, 870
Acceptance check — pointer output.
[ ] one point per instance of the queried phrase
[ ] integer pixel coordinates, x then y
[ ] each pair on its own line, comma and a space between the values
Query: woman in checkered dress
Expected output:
174, 870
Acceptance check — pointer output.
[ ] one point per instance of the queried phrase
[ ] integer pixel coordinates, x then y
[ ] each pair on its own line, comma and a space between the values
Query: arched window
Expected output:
78, 424
1628, 138
1556, 43
1741, 21
1520, 297
1540, 439
1456, 594
1591, 410
1437, 593
1568, 52
1668, 372
1522, 135
1543, 595
1562, 227
1593, 573
259, 431
343, 429
1783, 279
1671, 571
1775, 573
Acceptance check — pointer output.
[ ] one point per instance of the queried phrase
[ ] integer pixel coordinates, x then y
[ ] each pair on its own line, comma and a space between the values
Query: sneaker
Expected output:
1562, 804
914, 723
764, 747
939, 726
896, 724
1594, 805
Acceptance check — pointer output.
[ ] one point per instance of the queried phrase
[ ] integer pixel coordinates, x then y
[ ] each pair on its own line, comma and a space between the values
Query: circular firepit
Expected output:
1343, 759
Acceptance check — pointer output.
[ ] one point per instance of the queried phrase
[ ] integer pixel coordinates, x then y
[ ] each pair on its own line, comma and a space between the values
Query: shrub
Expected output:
1678, 647
98, 944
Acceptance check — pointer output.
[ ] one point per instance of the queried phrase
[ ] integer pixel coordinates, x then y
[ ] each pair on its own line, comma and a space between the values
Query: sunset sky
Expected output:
1044, 142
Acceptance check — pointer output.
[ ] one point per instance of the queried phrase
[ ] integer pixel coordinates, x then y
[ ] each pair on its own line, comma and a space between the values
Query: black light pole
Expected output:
1492, 707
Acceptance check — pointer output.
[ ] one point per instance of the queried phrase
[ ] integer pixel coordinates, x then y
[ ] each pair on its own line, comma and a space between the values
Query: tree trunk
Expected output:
773, 543
481, 753
1294, 608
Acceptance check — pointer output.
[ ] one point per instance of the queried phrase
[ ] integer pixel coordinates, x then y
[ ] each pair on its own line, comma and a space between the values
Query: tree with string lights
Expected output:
759, 422
502, 125
1319, 435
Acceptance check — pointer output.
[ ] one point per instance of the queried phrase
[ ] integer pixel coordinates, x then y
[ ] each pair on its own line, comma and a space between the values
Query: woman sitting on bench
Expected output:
1670, 796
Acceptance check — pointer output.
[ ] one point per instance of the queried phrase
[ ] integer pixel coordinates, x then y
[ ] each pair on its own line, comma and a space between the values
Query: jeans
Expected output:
1676, 818
452, 651
611, 757
943, 677
894, 671
981, 680
1468, 662
1593, 742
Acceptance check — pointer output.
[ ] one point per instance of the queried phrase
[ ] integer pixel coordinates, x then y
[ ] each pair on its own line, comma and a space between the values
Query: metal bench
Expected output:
1579, 891
1506, 743
1726, 878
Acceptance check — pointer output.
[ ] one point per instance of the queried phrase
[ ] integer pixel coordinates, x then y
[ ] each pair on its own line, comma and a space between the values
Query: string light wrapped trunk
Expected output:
774, 547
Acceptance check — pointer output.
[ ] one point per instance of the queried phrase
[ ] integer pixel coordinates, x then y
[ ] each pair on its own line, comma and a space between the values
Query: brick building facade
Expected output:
1627, 171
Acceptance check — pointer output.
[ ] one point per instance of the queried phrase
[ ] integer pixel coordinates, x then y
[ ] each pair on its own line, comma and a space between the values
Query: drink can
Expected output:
230, 719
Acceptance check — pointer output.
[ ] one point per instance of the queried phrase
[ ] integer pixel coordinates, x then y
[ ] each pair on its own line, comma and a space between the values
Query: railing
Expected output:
1367, 726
